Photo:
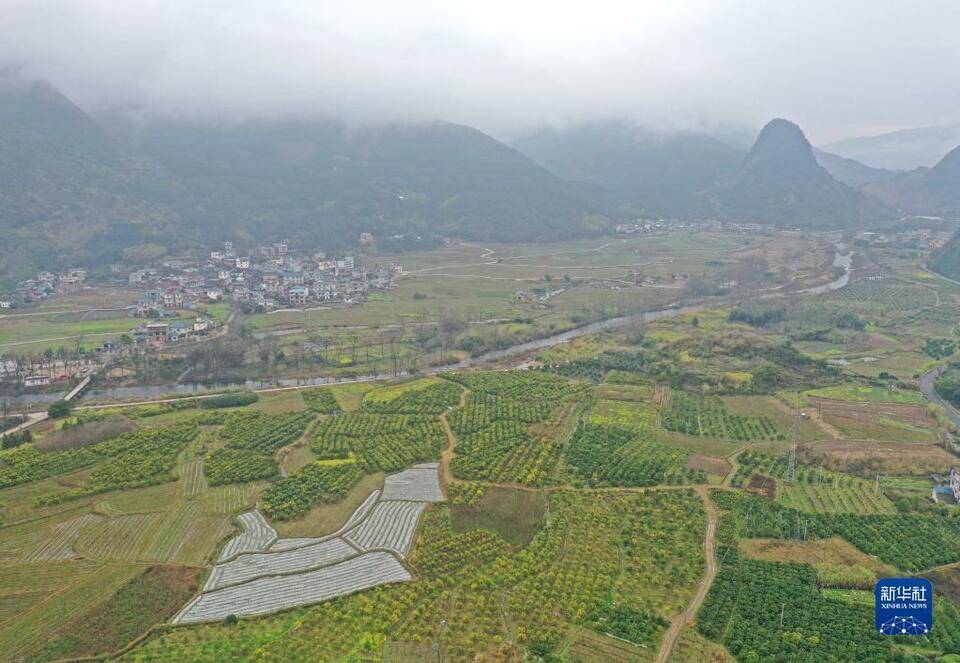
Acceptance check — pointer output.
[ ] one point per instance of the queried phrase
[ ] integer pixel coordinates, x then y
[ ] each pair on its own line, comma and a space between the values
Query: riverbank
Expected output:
125, 396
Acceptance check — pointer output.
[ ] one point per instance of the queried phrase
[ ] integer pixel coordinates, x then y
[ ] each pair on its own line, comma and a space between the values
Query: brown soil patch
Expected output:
866, 458
709, 464
85, 434
832, 552
762, 486
947, 582
867, 412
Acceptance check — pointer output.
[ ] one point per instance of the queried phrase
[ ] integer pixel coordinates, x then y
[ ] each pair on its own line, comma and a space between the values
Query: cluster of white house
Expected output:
272, 276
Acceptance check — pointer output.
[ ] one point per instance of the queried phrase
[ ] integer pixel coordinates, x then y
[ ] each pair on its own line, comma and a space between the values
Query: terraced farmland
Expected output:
267, 595
257, 536
255, 565
173, 533
192, 480
224, 500
390, 526
60, 545
124, 538
258, 573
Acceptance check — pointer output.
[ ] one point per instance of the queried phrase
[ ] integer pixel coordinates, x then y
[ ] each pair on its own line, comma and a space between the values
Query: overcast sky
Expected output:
838, 68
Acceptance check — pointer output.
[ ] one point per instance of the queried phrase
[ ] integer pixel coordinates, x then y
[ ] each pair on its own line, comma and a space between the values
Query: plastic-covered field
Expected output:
353, 521
421, 483
270, 594
254, 565
391, 525
258, 573
257, 535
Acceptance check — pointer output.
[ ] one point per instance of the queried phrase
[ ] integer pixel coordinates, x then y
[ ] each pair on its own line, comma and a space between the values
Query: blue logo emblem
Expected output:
904, 606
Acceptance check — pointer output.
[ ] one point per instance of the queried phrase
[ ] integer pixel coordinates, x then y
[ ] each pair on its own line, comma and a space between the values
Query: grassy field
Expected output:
694, 648
76, 323
882, 429
513, 514
588, 646
151, 596
25, 634
920, 484
838, 564
390, 391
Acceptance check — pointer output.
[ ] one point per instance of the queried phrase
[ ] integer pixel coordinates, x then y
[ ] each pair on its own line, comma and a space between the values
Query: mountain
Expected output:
66, 187
930, 191
780, 182
900, 150
946, 259
851, 172
658, 173
74, 192
323, 183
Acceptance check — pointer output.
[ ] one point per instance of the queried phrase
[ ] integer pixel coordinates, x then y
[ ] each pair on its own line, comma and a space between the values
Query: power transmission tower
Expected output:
792, 467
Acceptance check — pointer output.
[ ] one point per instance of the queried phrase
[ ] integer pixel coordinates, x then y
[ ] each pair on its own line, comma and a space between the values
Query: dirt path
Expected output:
688, 615
447, 456
734, 466
825, 426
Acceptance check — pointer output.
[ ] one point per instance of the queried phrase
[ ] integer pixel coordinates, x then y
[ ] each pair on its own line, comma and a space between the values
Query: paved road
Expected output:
926, 386
687, 616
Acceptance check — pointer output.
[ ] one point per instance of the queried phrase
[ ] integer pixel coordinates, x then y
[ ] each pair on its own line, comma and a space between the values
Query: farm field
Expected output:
533, 582
837, 563
258, 573
555, 513
492, 296
484, 287
76, 323
861, 499
870, 394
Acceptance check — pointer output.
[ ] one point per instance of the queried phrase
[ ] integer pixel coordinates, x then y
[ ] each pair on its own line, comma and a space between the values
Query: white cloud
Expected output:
503, 66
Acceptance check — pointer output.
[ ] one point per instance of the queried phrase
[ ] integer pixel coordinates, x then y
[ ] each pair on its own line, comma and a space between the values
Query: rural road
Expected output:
687, 616
30, 419
926, 386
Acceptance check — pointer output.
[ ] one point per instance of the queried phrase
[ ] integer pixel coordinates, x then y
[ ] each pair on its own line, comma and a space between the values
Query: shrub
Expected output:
238, 466
237, 399
293, 496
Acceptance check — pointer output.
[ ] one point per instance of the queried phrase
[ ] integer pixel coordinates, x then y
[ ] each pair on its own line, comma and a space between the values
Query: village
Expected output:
176, 294
266, 278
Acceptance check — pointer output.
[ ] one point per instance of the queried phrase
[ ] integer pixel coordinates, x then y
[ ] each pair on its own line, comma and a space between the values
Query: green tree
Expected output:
59, 409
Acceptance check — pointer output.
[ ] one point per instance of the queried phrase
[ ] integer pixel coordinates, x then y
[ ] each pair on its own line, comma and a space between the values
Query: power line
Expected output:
792, 467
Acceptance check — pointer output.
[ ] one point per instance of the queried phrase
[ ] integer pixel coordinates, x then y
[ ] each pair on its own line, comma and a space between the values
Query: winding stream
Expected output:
842, 259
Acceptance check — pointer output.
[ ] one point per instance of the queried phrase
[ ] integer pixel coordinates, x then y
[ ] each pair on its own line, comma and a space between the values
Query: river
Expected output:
842, 258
